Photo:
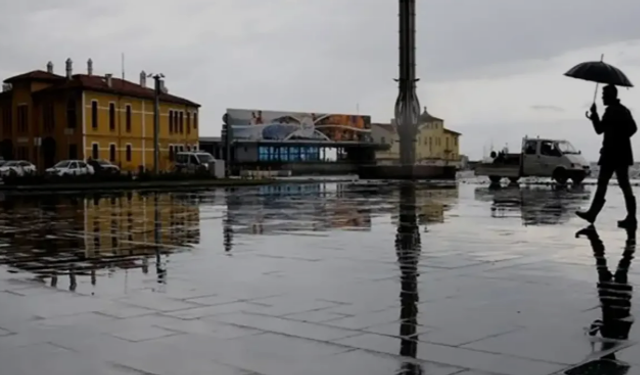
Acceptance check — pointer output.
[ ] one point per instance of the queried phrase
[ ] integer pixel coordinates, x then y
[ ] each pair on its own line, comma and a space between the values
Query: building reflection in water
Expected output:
323, 207
615, 294
535, 206
78, 236
274, 209
408, 249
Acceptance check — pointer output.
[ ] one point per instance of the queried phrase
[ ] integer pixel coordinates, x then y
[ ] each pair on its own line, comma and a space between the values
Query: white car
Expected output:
17, 167
70, 168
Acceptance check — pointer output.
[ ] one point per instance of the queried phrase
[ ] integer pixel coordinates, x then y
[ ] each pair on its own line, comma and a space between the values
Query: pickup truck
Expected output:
540, 157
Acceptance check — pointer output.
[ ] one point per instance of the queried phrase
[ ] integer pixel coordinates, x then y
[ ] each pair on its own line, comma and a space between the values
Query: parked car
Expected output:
17, 167
193, 161
103, 166
69, 168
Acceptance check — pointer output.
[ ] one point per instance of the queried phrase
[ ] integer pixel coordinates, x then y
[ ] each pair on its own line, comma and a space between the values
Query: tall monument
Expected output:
407, 109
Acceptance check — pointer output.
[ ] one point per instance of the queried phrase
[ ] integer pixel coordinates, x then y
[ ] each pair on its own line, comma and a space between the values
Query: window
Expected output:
383, 140
181, 122
95, 151
112, 153
7, 119
128, 152
71, 113
175, 121
548, 148
73, 151
94, 114
128, 118
195, 120
188, 122
48, 117
425, 140
530, 148
112, 116
23, 113
171, 153
447, 143
170, 122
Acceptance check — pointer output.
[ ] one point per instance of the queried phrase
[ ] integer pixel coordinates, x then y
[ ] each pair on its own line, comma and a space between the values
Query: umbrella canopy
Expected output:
600, 72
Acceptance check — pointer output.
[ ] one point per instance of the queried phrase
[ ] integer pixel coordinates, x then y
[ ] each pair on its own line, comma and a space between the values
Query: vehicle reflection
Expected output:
66, 235
408, 249
536, 206
615, 294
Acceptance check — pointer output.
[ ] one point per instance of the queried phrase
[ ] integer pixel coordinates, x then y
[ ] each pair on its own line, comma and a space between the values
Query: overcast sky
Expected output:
492, 68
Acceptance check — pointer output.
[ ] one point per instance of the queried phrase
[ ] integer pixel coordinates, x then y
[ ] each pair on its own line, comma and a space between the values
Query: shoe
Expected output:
591, 215
587, 216
628, 223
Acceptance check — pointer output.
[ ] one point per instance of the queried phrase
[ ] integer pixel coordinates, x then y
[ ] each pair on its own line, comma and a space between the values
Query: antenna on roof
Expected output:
122, 64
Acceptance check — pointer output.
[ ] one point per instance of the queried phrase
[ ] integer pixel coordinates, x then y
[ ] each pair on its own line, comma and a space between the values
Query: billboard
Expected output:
259, 125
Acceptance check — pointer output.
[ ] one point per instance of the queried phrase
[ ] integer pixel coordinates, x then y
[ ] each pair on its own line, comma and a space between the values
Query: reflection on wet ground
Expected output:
316, 279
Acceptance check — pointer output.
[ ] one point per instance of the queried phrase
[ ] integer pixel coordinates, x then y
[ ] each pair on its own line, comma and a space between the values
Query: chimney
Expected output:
108, 77
69, 68
6, 87
143, 79
90, 67
163, 88
50, 67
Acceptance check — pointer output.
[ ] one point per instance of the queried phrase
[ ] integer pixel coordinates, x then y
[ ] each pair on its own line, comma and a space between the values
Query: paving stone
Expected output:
485, 295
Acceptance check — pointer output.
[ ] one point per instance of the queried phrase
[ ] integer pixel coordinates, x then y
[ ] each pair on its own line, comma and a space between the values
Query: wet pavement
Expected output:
317, 279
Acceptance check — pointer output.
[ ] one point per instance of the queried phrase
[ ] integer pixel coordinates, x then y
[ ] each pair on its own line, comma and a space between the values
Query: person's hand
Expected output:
594, 112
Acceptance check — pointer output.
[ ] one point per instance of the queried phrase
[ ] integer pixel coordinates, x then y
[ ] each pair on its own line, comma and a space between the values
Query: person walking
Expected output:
616, 155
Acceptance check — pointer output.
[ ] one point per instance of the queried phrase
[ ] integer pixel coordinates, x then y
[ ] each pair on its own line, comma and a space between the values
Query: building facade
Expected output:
435, 144
46, 117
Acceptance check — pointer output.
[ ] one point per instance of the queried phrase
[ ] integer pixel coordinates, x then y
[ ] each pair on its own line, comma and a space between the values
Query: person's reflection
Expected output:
408, 252
614, 292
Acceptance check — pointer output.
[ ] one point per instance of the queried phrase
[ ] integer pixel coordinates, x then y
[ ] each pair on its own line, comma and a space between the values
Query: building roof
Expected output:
426, 117
386, 126
36, 75
451, 131
118, 87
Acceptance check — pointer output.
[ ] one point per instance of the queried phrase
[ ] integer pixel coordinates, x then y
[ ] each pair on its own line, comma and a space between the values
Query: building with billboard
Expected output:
262, 136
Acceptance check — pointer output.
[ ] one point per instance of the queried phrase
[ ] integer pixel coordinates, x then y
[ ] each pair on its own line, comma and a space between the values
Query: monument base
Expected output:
407, 172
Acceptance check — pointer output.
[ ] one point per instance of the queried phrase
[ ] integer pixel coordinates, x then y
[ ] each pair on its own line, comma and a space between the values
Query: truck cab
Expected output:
540, 157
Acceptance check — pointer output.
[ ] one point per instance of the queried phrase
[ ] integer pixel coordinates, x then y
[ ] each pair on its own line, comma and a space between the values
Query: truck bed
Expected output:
506, 166
486, 169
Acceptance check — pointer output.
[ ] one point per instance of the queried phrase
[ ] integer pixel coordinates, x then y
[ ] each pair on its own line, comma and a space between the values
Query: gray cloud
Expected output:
550, 108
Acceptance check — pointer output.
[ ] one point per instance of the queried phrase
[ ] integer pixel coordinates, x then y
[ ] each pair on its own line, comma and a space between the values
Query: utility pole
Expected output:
157, 78
407, 108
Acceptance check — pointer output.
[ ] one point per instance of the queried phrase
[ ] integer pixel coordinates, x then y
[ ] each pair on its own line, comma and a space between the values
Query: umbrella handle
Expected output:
595, 93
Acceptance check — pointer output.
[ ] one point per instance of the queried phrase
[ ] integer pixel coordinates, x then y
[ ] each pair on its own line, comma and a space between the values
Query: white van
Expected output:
193, 160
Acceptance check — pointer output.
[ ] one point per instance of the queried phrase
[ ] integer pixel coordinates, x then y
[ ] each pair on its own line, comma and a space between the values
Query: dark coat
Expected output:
618, 127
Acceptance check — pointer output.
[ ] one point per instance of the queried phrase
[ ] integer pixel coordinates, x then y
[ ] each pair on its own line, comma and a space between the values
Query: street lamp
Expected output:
157, 78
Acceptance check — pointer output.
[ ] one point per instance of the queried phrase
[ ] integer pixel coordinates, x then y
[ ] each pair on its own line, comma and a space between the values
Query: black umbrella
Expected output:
599, 72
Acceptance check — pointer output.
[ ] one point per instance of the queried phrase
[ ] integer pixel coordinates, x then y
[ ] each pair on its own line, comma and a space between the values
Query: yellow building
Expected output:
46, 117
435, 144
